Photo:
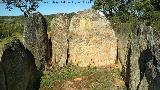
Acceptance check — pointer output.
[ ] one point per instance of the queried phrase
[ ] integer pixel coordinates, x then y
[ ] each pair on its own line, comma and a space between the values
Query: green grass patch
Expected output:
93, 78
65, 73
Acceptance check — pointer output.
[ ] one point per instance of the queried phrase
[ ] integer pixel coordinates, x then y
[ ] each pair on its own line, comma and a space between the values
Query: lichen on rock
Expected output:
36, 39
139, 58
2, 79
18, 67
59, 38
92, 41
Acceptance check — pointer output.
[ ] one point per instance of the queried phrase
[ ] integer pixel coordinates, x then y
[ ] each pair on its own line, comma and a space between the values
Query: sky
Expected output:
51, 8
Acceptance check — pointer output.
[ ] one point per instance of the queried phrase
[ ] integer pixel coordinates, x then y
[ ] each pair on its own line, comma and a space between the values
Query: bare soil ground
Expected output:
98, 79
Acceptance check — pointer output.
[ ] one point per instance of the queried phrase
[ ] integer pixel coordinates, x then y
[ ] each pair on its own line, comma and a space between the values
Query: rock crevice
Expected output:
86, 39
140, 71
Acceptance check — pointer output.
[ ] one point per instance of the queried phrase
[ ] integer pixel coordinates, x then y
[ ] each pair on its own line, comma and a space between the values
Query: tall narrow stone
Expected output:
36, 38
141, 59
59, 38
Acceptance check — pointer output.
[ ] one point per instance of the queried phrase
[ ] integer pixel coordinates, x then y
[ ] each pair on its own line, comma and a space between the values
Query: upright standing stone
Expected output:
157, 46
123, 34
92, 40
36, 38
18, 67
2, 79
59, 38
142, 61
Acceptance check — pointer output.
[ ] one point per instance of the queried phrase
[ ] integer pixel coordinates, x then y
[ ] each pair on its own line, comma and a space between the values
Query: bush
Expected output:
9, 26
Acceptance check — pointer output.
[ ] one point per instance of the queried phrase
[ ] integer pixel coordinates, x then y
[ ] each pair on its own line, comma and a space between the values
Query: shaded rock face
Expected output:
157, 46
17, 67
91, 40
139, 59
36, 38
59, 38
2, 79
123, 44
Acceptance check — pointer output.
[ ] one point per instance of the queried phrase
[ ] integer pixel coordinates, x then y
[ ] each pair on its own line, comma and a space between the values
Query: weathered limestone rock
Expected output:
36, 38
2, 79
18, 67
59, 38
140, 60
137, 80
92, 41
157, 46
143, 63
123, 34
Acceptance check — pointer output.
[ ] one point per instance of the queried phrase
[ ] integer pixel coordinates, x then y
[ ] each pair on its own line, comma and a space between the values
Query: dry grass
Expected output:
75, 78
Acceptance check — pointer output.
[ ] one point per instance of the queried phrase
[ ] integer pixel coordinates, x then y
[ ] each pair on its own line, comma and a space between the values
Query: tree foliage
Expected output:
26, 6
130, 10
138, 8
11, 26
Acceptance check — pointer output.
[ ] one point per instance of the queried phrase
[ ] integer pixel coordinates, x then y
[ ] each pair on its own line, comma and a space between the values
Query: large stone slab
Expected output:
59, 38
17, 67
139, 58
36, 38
92, 41
2, 79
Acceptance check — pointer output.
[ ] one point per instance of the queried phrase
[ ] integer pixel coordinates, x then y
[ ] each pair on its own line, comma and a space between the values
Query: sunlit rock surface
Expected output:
92, 41
59, 39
